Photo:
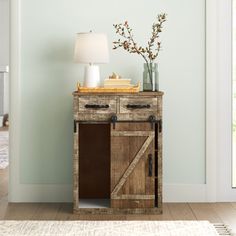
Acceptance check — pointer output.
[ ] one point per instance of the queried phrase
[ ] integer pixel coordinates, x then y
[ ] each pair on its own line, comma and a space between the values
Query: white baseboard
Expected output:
184, 193
63, 193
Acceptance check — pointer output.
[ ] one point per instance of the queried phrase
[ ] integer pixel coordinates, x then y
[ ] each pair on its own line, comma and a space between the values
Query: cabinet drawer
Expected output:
96, 104
138, 105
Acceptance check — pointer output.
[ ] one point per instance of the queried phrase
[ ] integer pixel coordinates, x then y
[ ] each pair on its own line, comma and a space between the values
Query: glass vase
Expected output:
150, 77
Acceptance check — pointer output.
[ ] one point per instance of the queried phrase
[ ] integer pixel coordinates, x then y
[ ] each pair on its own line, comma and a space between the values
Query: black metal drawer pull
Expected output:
96, 106
150, 162
138, 106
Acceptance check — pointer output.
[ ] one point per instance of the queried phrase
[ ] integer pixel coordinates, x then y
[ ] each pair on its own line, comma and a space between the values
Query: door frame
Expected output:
219, 101
14, 187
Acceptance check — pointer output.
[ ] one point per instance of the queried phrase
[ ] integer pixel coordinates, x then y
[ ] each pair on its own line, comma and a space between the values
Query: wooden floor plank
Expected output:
205, 211
64, 212
181, 211
165, 216
3, 207
3, 183
47, 211
21, 211
233, 204
227, 213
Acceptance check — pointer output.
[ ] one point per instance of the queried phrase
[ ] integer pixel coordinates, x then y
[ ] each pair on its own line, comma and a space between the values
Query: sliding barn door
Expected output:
132, 165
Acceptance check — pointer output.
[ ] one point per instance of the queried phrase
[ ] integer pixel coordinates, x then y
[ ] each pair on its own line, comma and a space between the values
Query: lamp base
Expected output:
91, 76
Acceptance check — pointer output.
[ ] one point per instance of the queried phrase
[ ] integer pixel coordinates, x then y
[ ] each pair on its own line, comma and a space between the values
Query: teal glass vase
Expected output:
150, 77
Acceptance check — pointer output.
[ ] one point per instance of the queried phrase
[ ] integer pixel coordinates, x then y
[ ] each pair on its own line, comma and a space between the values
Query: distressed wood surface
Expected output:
135, 186
97, 100
159, 105
118, 211
106, 117
76, 168
116, 101
133, 203
150, 180
119, 157
136, 196
137, 176
132, 165
131, 133
138, 101
134, 127
159, 165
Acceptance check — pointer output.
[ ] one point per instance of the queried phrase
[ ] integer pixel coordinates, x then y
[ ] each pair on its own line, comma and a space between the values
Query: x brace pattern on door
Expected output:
150, 136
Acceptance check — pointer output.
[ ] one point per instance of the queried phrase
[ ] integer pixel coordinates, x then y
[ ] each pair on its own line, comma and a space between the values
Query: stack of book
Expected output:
117, 83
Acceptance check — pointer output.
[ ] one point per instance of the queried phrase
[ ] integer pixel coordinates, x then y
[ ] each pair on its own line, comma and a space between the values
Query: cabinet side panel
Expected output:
76, 168
160, 159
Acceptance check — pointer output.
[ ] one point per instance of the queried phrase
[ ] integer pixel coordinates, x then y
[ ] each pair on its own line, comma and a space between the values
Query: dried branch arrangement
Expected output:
127, 42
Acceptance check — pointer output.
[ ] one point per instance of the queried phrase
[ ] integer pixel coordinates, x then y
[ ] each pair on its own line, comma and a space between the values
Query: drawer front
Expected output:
138, 105
97, 104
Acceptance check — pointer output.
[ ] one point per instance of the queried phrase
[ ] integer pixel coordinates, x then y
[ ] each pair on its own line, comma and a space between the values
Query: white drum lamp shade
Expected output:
91, 48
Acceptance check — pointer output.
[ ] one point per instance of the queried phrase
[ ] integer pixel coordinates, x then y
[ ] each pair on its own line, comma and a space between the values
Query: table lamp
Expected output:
91, 49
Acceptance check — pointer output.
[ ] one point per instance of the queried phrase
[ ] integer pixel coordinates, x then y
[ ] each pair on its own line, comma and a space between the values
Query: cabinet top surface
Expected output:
158, 93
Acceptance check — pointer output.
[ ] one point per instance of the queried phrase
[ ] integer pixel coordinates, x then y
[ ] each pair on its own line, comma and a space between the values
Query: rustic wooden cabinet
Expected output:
117, 165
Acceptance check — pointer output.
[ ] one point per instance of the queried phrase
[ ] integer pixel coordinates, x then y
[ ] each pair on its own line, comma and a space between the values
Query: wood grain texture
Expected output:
98, 100
4, 182
181, 211
152, 102
150, 180
133, 164
21, 211
164, 216
137, 184
106, 117
132, 184
133, 204
76, 168
46, 211
226, 213
136, 196
118, 211
119, 156
132, 133
159, 167
205, 211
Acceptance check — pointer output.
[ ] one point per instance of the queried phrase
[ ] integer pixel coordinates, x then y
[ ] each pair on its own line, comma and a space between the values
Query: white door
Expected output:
234, 96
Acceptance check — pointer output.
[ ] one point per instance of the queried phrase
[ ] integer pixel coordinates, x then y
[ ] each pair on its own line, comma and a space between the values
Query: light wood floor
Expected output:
213, 212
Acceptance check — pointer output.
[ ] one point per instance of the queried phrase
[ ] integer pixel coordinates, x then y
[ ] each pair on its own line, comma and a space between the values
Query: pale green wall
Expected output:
48, 77
4, 32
